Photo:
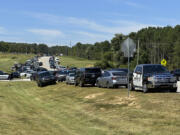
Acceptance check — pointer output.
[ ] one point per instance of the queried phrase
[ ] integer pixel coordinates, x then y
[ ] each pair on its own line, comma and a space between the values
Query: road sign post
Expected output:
128, 47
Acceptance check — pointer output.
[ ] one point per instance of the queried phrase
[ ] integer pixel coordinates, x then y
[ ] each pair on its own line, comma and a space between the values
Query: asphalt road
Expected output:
45, 61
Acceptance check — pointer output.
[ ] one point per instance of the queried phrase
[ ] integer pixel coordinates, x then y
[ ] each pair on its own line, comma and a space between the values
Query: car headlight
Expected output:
150, 79
173, 79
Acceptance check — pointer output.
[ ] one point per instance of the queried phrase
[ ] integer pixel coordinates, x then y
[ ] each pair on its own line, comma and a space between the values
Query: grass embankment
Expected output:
7, 60
76, 62
68, 110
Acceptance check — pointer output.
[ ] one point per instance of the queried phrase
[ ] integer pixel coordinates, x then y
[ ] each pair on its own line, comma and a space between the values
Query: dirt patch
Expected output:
90, 65
92, 96
129, 101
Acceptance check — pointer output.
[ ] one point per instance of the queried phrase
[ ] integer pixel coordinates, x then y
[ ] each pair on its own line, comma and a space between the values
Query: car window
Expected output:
71, 74
119, 73
106, 74
45, 74
138, 69
93, 70
1, 73
177, 71
155, 69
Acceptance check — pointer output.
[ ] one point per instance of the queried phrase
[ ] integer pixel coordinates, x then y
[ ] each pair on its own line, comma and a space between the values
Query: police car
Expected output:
149, 76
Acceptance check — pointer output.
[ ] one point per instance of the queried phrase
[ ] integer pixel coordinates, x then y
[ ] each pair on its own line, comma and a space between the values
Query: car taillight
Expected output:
113, 78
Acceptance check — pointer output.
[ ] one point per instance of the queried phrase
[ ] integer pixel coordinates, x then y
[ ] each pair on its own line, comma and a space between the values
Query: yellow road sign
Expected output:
163, 62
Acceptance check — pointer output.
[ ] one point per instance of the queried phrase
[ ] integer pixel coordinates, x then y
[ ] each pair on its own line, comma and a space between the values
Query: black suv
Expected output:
44, 78
87, 76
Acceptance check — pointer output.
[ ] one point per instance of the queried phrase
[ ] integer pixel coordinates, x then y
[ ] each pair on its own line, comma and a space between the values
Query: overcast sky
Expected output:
87, 21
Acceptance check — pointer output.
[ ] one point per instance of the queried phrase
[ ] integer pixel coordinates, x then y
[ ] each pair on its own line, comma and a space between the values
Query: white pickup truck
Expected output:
3, 76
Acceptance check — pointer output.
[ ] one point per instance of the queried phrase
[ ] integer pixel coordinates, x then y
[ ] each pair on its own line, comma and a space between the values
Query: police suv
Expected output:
149, 76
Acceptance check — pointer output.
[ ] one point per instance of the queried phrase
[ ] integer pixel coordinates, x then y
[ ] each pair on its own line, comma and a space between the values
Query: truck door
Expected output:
138, 77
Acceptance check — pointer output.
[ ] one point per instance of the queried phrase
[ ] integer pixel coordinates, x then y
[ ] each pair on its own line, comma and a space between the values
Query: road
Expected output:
45, 61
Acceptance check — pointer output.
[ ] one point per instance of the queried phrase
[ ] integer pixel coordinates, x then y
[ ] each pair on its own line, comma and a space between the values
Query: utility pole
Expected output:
138, 53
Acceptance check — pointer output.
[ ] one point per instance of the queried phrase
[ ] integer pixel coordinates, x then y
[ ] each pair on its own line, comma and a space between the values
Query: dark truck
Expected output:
87, 76
45, 78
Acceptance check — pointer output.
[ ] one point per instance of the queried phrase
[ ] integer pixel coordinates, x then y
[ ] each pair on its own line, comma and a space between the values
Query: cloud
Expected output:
133, 4
123, 26
47, 32
117, 26
92, 35
46, 17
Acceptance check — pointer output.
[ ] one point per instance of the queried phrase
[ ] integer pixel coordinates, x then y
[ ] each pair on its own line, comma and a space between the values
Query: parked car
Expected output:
27, 73
87, 76
61, 76
176, 73
149, 76
70, 78
14, 75
44, 78
36, 70
112, 79
4, 76
124, 70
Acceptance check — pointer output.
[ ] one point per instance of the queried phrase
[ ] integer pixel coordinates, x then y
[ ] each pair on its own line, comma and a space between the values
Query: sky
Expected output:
66, 22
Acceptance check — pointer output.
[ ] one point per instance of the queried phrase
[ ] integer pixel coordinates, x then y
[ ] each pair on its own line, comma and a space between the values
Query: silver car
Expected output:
70, 78
112, 79
3, 76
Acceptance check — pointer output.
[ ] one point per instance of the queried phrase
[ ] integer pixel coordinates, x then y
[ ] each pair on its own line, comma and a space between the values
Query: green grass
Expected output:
77, 62
61, 109
7, 60
69, 110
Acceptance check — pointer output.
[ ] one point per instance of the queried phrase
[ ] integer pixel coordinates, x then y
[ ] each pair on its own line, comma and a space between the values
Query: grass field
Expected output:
61, 109
68, 110
7, 60
77, 62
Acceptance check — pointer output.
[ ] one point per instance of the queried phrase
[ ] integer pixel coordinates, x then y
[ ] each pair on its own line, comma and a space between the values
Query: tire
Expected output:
67, 83
81, 84
75, 84
115, 86
98, 85
40, 84
131, 87
145, 89
107, 85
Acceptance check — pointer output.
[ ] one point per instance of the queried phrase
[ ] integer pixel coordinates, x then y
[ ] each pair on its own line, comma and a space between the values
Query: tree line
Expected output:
155, 43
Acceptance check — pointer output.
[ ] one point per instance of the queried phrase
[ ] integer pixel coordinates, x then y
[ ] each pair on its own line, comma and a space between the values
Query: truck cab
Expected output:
152, 76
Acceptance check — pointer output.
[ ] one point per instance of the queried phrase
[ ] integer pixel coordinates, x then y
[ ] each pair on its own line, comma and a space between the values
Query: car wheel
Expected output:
145, 89
40, 84
115, 86
81, 84
107, 85
98, 84
75, 84
67, 83
131, 87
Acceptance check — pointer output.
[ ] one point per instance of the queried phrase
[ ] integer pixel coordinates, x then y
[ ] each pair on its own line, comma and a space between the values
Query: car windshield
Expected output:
93, 70
45, 74
155, 69
121, 69
71, 74
1, 73
119, 73
62, 72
